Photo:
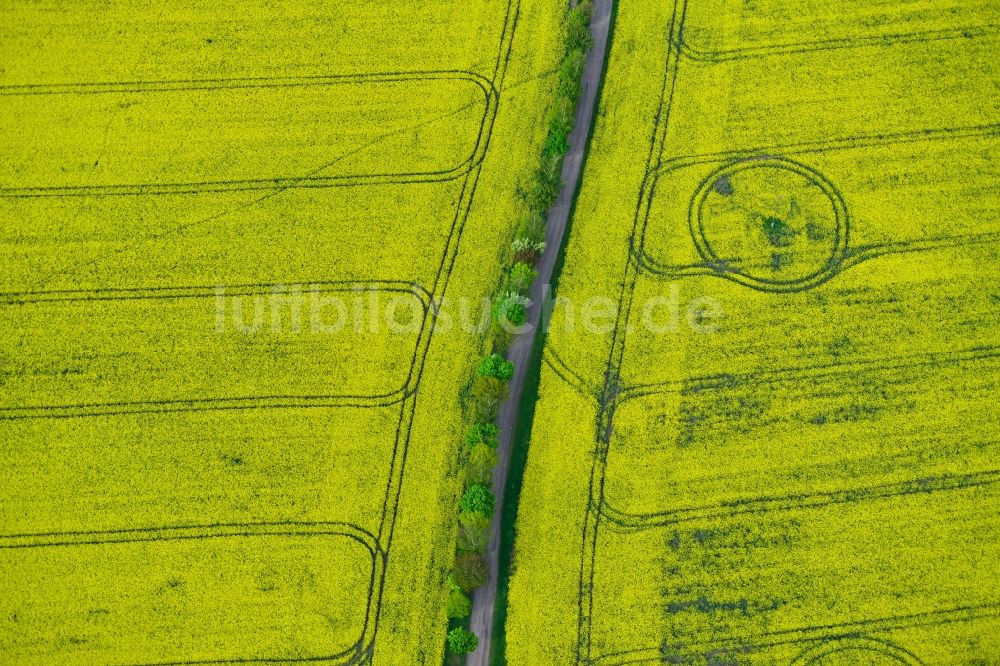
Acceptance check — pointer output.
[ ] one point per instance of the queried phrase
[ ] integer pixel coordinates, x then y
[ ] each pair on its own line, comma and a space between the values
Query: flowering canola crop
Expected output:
781, 447
215, 448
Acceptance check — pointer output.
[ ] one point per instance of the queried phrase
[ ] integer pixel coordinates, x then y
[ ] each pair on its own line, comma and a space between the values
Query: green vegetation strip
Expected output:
490, 385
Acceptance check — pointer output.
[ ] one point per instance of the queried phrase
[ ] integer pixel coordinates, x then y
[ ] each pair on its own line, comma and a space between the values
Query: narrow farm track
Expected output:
484, 599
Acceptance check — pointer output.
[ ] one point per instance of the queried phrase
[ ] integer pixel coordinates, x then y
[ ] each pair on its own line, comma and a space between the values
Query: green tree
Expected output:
570, 74
487, 394
522, 274
510, 310
478, 499
497, 366
544, 190
462, 641
556, 141
482, 433
560, 126
473, 532
482, 459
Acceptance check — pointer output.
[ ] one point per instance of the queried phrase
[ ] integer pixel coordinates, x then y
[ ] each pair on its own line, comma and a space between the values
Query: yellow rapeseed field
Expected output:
214, 450
777, 443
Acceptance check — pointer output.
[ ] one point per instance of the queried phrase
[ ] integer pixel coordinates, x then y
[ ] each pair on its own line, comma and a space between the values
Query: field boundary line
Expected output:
612, 374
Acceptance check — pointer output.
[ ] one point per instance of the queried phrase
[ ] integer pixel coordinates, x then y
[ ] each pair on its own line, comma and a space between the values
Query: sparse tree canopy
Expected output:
473, 532
470, 572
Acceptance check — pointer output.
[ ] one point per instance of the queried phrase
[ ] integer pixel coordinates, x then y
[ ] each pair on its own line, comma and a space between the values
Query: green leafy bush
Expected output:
522, 274
462, 641
459, 605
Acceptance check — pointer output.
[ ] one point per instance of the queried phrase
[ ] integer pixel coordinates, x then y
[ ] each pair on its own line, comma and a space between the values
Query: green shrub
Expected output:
510, 310
487, 366
521, 276
462, 641
560, 125
578, 27
556, 143
459, 606
505, 371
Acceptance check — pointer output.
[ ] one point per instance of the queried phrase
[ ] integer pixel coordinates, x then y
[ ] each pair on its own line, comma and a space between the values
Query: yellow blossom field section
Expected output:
226, 230
787, 453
